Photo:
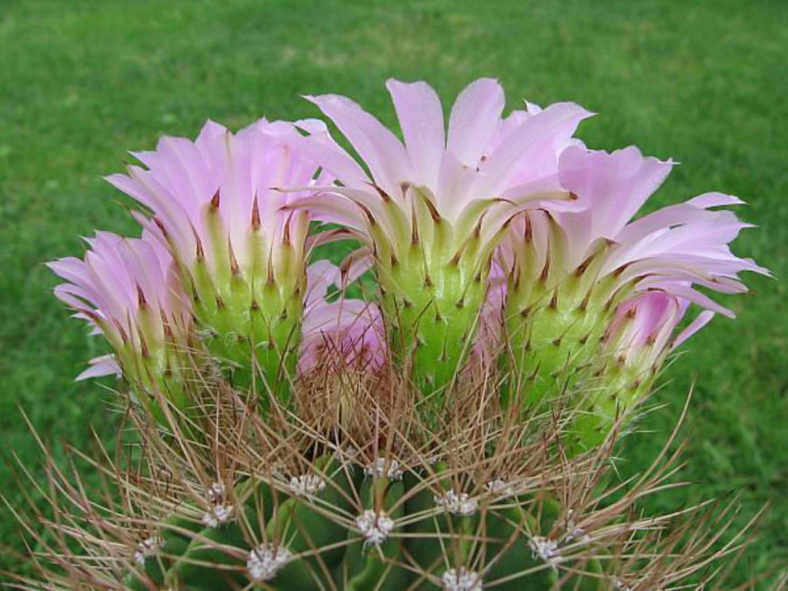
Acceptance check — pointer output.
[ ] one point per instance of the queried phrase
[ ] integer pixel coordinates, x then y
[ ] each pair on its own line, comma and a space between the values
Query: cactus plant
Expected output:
455, 430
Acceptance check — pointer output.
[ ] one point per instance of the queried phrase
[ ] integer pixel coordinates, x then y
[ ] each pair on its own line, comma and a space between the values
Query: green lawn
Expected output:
81, 82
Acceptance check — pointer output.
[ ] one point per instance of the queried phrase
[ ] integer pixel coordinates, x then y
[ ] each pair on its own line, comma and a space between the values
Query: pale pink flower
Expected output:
568, 271
220, 194
219, 203
431, 209
482, 157
674, 248
128, 291
642, 333
598, 254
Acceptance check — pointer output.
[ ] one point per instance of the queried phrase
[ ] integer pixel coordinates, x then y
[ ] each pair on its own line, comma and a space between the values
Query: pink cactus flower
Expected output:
128, 291
482, 157
432, 208
219, 197
569, 271
674, 248
219, 204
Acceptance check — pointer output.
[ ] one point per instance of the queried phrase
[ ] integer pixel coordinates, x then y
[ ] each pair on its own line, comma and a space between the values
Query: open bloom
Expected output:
128, 291
339, 335
431, 209
674, 248
218, 205
569, 271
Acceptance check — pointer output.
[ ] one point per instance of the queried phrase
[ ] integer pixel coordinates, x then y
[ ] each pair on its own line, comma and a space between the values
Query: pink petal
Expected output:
707, 200
530, 151
616, 184
331, 208
320, 275
702, 320
421, 119
99, 367
683, 213
376, 145
455, 185
474, 119
321, 147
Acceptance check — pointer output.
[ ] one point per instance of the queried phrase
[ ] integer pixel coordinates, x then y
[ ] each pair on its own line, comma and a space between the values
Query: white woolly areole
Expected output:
266, 560
546, 550
383, 468
216, 491
147, 548
459, 504
461, 579
218, 515
574, 531
499, 487
375, 527
307, 485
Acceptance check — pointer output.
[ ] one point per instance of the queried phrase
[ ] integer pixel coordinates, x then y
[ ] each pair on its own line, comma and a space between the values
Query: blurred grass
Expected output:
703, 82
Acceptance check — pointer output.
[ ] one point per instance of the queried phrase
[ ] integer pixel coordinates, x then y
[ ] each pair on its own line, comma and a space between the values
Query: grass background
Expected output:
704, 82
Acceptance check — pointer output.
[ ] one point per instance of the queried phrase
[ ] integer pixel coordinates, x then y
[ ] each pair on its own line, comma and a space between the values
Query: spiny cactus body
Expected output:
307, 538
243, 502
